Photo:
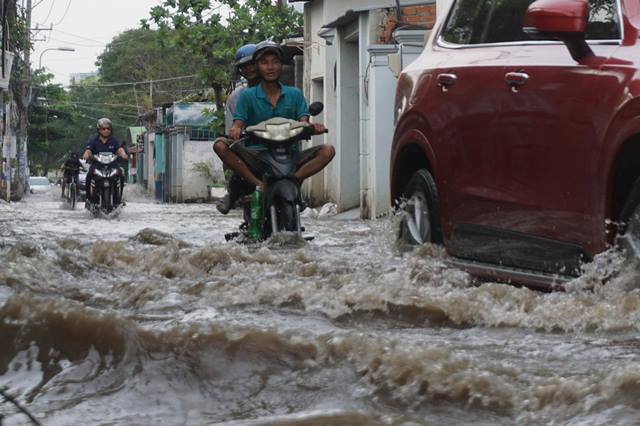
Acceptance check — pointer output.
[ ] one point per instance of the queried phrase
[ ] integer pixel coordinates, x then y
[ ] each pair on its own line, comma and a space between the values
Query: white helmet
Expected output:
104, 122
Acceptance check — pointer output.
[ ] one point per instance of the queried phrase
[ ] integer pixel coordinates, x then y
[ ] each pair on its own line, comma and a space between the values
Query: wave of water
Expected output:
155, 328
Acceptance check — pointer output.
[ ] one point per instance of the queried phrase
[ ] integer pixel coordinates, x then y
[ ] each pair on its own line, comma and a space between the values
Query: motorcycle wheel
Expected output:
105, 202
287, 216
72, 195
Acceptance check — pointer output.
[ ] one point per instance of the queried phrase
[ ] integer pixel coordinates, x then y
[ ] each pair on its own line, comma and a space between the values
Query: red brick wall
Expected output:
417, 16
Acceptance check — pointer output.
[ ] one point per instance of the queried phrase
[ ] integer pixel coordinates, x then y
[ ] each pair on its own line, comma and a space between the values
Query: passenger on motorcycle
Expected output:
269, 99
247, 69
71, 168
103, 142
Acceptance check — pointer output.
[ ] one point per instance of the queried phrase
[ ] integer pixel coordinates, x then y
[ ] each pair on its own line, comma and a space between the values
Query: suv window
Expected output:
500, 21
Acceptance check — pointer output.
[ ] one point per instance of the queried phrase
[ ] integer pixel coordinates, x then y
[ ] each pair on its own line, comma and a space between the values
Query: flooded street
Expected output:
153, 318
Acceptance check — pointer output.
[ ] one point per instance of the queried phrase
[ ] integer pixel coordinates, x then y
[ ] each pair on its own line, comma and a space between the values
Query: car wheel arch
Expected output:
625, 172
620, 149
412, 153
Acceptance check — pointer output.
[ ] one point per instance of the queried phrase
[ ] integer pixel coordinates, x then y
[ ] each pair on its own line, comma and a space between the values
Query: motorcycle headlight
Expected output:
279, 132
113, 172
97, 172
105, 157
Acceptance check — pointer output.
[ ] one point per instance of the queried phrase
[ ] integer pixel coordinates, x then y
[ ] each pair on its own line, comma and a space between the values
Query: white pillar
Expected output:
380, 94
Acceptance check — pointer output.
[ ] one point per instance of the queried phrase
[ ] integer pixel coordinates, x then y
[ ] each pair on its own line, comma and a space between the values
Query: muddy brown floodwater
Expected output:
153, 318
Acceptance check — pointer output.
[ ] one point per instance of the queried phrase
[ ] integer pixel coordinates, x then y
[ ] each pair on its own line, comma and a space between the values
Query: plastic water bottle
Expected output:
256, 217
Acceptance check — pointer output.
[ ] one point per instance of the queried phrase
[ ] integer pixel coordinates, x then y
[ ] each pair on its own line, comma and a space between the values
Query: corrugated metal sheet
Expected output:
133, 134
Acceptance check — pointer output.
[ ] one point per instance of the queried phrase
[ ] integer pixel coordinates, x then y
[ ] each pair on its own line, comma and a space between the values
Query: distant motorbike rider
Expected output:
103, 142
71, 169
270, 98
247, 69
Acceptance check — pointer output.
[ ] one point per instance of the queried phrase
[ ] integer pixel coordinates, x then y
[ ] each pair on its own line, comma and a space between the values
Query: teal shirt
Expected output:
254, 107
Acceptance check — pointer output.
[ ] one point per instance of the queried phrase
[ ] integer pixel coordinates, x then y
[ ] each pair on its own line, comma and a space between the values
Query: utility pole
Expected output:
23, 121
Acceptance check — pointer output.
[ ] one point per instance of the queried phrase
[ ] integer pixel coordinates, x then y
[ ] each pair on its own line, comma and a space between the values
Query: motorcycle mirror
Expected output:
316, 108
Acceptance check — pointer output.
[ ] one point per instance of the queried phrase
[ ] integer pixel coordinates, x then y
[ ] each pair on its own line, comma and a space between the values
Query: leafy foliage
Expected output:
199, 28
51, 121
192, 38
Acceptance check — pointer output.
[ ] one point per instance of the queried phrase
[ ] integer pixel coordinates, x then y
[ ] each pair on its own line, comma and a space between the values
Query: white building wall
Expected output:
194, 184
347, 123
382, 85
442, 6
360, 121
318, 86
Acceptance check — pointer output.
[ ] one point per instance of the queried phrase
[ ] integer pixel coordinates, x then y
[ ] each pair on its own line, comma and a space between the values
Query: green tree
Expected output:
51, 119
137, 55
199, 28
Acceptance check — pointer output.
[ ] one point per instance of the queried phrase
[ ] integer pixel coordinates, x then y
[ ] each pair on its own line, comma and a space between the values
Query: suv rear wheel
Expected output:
421, 214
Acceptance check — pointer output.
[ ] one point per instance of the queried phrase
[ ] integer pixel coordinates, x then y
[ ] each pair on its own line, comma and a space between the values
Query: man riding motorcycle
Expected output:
103, 142
270, 98
247, 69
71, 168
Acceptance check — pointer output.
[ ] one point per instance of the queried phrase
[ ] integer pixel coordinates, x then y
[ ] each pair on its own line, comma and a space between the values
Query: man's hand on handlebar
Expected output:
234, 133
319, 128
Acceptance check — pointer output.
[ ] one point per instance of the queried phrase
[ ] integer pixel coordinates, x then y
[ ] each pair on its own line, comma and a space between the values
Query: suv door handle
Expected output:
516, 80
446, 80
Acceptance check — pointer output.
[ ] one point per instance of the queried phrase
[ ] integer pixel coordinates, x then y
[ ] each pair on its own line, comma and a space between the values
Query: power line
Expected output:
82, 37
105, 104
64, 15
136, 82
123, 114
73, 43
49, 13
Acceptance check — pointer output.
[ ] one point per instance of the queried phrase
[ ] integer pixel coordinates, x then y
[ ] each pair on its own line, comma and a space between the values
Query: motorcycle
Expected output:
71, 193
106, 184
282, 199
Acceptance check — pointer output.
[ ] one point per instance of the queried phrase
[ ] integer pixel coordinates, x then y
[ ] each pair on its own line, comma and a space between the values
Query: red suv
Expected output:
517, 140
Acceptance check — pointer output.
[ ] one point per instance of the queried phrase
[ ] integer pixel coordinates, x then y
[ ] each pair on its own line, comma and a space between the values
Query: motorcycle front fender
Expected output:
285, 189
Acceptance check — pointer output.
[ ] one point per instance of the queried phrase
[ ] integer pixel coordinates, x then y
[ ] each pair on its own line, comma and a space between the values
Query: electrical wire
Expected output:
64, 15
48, 14
182, 77
122, 114
82, 37
105, 104
73, 43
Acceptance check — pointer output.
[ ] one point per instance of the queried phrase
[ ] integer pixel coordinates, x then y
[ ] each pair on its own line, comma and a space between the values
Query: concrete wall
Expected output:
381, 83
194, 184
349, 65
318, 86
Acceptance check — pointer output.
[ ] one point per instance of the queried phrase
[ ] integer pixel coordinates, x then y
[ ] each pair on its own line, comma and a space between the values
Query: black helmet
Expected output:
74, 155
267, 46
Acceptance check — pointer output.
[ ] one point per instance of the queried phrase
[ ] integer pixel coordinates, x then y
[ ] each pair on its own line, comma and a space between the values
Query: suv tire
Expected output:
421, 212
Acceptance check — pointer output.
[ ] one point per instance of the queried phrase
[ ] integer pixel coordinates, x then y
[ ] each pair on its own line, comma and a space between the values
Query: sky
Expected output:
84, 25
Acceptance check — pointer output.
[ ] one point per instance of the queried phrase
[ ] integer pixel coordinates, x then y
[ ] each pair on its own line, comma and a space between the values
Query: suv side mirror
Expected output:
565, 20
316, 108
